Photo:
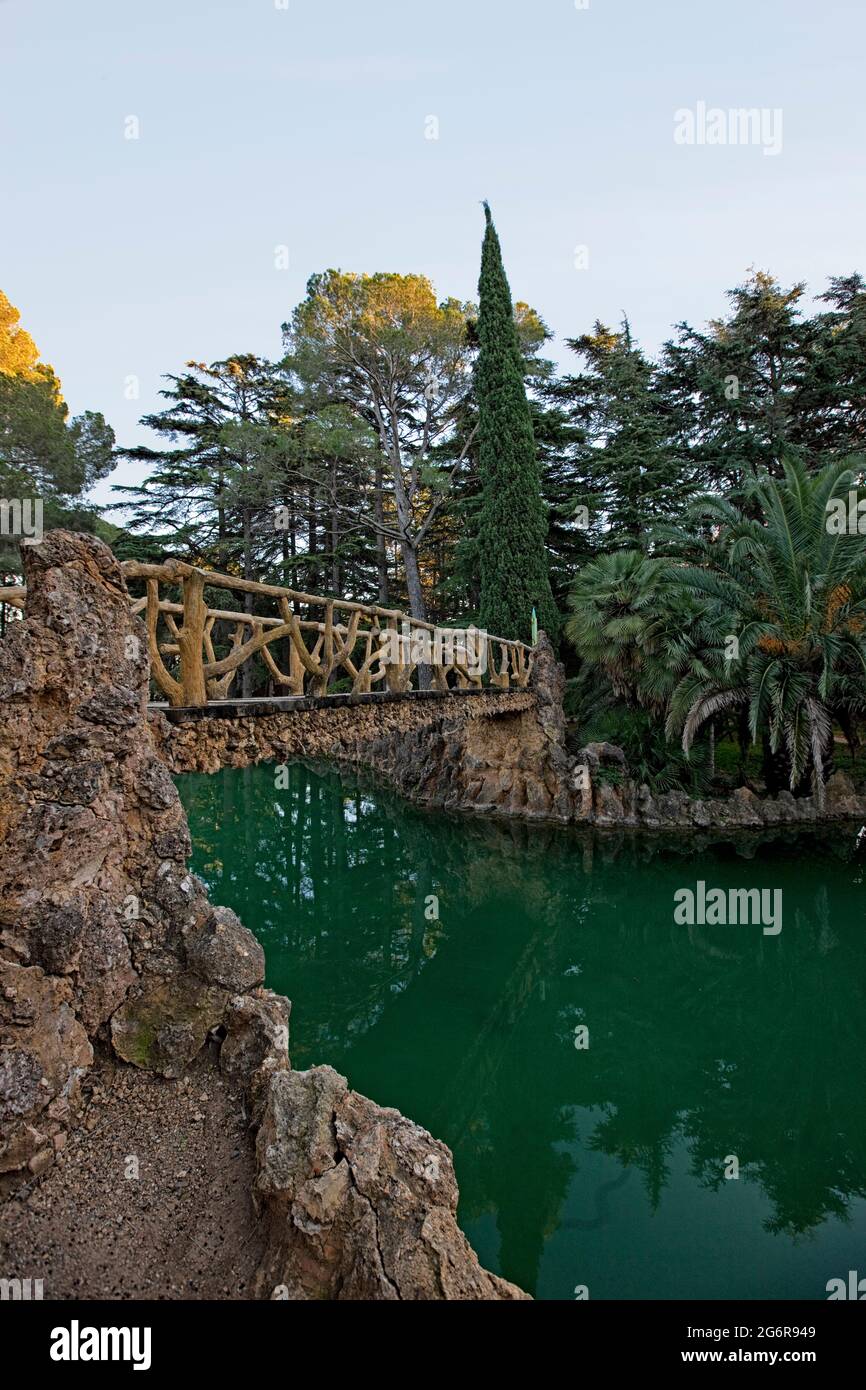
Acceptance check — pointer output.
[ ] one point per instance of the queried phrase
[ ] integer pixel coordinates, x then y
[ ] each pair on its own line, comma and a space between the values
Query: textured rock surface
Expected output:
257, 1035
85, 894
165, 1022
359, 1202
106, 940
104, 934
44, 1051
627, 805
223, 952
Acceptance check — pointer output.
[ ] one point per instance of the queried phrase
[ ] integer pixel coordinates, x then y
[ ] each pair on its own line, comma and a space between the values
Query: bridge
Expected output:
197, 652
458, 719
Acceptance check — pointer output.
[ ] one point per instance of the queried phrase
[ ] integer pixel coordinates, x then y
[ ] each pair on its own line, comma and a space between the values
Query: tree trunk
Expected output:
776, 770
311, 540
743, 738
335, 538
417, 606
246, 669
381, 552
288, 575
221, 523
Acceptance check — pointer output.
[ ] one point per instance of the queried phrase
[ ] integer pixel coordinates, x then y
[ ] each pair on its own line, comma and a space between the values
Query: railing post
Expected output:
191, 638
163, 678
394, 669
296, 670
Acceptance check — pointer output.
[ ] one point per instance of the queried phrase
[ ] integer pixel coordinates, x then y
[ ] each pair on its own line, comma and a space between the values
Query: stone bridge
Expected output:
481, 750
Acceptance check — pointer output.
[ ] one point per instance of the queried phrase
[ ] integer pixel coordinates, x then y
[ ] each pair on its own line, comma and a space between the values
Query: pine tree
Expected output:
736, 389
512, 520
206, 494
635, 476
832, 402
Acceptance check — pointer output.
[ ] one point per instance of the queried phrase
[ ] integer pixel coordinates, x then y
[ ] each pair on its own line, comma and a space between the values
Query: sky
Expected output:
364, 134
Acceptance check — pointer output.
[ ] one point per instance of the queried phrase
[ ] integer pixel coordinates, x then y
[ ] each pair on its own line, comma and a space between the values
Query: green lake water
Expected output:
603, 1165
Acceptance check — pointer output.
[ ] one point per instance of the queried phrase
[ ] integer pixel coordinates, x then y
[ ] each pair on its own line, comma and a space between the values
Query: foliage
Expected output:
737, 388
650, 756
587, 696
512, 522
381, 345
634, 476
792, 591
614, 605
43, 454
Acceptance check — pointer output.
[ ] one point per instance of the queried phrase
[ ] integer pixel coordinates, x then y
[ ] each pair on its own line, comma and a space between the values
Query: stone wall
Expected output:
109, 944
628, 805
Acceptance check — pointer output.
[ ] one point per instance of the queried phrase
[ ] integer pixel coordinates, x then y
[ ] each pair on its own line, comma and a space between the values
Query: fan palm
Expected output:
614, 604
792, 593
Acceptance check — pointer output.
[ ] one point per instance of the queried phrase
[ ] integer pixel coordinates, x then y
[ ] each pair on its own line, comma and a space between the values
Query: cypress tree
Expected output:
512, 524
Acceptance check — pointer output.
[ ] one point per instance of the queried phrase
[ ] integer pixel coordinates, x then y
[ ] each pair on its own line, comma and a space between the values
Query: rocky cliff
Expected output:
109, 945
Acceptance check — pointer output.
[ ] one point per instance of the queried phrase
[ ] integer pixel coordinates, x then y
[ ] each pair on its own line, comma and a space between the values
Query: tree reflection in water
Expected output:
705, 1042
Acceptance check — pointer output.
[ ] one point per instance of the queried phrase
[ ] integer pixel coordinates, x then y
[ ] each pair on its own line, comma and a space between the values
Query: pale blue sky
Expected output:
305, 126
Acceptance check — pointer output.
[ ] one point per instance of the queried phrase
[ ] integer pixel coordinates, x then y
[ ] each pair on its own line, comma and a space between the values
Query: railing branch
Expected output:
348, 637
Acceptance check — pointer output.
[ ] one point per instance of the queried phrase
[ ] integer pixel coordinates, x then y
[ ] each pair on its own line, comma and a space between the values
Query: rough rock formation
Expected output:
512, 763
108, 942
359, 1202
628, 805
102, 928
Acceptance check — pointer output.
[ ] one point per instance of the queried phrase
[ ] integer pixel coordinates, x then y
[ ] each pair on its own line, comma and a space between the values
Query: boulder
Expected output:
603, 755
359, 1202
840, 795
256, 1032
165, 1022
224, 952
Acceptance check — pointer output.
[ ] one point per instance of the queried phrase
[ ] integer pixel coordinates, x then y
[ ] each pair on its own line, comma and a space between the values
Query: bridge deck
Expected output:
286, 704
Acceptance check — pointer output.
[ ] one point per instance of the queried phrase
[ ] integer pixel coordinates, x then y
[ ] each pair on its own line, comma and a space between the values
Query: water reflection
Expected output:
705, 1042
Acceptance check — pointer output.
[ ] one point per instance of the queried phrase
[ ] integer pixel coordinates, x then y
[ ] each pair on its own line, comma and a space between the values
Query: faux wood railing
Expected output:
336, 634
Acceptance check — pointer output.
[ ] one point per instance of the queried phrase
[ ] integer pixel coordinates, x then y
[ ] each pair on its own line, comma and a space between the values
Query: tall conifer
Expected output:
512, 520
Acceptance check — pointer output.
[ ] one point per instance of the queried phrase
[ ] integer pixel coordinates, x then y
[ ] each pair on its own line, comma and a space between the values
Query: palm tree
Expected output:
614, 603
784, 597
